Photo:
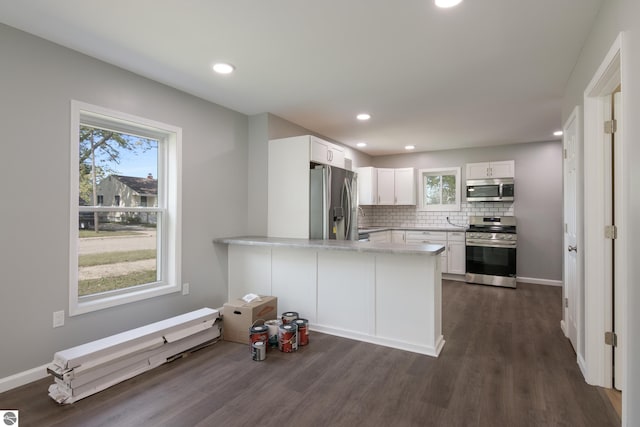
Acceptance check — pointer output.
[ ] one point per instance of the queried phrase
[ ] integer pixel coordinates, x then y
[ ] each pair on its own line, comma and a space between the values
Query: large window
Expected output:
125, 208
440, 189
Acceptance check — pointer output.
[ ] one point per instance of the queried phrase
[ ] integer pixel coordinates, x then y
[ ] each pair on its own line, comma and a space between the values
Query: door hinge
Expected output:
566, 227
565, 153
611, 338
610, 126
566, 302
610, 232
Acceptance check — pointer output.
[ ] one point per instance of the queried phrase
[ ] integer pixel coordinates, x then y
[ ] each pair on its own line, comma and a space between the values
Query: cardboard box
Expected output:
238, 316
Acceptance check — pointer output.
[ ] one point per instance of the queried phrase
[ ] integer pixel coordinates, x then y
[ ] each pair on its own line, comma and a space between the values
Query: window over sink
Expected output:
439, 189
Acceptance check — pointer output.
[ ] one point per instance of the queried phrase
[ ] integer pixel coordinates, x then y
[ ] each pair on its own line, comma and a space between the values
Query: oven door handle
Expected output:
497, 244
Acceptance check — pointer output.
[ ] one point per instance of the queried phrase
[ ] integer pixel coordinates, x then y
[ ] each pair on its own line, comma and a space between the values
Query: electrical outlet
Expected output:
185, 289
58, 318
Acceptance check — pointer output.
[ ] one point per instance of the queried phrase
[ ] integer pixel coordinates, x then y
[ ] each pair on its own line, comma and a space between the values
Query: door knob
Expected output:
572, 248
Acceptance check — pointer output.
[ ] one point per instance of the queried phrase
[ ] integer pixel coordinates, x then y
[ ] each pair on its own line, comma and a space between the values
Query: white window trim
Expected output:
438, 171
170, 165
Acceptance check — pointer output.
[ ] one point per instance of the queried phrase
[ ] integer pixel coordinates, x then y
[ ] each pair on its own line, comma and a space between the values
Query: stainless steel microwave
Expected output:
490, 190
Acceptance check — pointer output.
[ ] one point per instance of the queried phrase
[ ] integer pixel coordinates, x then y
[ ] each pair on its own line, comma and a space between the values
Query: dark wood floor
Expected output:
505, 363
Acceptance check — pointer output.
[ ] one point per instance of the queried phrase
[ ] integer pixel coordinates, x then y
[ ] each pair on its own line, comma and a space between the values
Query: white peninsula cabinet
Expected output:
387, 294
487, 170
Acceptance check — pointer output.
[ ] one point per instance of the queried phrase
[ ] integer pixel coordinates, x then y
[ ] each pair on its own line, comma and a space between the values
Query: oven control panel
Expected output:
492, 236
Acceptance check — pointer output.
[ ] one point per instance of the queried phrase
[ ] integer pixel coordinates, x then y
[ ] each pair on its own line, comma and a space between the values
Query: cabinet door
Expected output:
478, 170
386, 186
456, 257
405, 186
397, 236
319, 151
504, 169
335, 156
367, 186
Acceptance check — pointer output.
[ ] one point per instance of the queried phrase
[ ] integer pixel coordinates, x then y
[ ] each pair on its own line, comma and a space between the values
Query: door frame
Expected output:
596, 362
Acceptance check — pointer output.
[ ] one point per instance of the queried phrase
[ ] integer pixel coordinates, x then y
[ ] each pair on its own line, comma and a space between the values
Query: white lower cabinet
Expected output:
430, 237
380, 236
398, 236
456, 252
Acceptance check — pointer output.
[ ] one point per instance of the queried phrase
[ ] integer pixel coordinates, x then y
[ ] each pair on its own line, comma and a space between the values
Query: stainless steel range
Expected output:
491, 251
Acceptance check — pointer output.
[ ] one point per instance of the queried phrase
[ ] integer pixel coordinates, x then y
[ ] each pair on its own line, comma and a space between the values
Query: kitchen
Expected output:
225, 185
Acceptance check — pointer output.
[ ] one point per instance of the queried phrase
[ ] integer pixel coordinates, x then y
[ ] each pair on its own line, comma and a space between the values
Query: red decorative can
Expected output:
259, 333
289, 317
288, 338
303, 331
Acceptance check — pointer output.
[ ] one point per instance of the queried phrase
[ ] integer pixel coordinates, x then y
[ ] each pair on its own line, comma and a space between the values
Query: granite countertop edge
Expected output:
333, 245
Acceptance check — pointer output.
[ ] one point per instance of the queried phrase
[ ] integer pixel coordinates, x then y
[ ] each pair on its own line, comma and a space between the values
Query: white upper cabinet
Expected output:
386, 187
367, 186
405, 186
397, 186
326, 153
503, 169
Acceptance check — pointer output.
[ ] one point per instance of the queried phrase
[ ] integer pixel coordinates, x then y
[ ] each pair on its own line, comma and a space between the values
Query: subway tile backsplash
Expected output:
409, 217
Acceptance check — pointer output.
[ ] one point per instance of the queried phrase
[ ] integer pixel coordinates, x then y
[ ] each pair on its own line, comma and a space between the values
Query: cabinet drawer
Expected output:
427, 235
455, 236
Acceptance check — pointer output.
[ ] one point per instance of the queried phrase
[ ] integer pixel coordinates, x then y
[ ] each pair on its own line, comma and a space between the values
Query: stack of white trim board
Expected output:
89, 368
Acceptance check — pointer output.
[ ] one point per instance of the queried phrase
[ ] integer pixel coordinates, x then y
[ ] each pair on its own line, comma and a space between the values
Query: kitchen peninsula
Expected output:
383, 293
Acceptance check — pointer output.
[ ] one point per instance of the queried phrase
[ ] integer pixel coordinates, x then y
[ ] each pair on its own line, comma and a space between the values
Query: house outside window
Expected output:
138, 255
439, 189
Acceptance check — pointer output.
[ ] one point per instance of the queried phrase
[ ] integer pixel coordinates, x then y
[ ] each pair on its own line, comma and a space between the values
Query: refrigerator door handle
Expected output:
326, 183
347, 228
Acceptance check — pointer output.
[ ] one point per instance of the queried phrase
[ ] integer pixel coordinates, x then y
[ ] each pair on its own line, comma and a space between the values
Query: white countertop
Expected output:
333, 245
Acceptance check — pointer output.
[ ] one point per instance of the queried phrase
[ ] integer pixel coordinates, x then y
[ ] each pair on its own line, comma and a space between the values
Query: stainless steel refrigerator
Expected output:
333, 204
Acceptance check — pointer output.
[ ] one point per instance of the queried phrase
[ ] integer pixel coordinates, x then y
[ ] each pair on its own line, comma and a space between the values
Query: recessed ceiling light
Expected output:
363, 116
361, 144
409, 147
557, 133
447, 3
223, 68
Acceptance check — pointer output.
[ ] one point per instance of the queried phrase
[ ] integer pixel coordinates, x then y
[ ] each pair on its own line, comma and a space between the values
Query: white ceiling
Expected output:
488, 72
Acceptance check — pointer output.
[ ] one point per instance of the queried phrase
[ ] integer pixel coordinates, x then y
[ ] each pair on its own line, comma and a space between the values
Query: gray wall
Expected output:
614, 17
37, 82
538, 204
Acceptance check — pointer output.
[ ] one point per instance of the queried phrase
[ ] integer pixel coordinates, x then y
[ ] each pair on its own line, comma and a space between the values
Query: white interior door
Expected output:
571, 138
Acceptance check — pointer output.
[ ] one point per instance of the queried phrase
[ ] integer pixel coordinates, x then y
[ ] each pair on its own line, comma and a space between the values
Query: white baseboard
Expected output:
22, 378
535, 281
563, 326
583, 367
425, 349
